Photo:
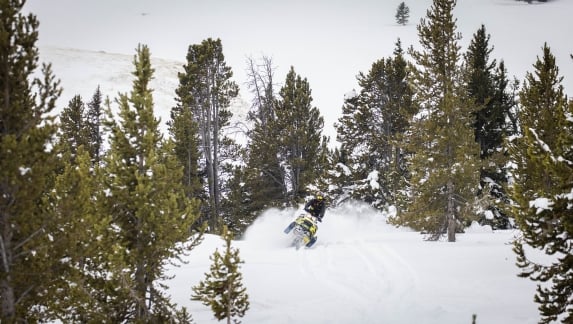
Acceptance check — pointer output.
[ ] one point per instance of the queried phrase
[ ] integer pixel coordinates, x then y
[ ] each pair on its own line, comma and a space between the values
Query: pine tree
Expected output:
73, 126
237, 203
370, 129
205, 92
264, 175
82, 127
299, 127
338, 179
27, 164
222, 289
150, 211
487, 87
185, 134
444, 164
89, 256
351, 136
402, 14
479, 70
541, 190
94, 124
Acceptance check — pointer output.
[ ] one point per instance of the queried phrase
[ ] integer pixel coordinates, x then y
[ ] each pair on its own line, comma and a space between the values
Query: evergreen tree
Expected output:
370, 129
185, 134
402, 14
90, 255
299, 126
94, 125
27, 164
73, 126
444, 165
338, 180
82, 127
264, 175
351, 136
150, 212
479, 70
237, 203
487, 87
541, 200
222, 289
205, 92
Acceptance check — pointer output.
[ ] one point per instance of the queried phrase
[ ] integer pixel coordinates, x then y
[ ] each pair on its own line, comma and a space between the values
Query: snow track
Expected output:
350, 266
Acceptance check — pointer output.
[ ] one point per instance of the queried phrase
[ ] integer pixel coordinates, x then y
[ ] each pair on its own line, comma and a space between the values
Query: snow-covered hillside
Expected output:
362, 270
82, 71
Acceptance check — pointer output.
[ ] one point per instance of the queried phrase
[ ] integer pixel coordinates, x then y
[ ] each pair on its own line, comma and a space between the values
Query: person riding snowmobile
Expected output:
316, 207
308, 223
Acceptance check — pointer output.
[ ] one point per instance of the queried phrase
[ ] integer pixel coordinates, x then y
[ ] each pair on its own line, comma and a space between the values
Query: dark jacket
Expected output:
316, 208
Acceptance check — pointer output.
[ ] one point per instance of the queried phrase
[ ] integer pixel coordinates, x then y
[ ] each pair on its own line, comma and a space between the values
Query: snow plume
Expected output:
263, 232
348, 222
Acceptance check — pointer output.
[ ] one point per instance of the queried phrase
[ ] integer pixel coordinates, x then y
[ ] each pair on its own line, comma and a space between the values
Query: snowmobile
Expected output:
304, 229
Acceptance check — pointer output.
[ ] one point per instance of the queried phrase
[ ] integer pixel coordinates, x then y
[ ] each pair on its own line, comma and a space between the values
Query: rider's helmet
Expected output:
319, 196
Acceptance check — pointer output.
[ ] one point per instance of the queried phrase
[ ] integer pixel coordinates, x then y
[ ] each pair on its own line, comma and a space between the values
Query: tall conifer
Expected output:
81, 125
204, 94
27, 165
74, 131
541, 191
185, 134
299, 127
371, 128
94, 116
487, 87
445, 164
402, 14
149, 208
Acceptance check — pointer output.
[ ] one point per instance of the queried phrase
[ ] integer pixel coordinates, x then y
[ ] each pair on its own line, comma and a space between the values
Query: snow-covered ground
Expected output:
362, 270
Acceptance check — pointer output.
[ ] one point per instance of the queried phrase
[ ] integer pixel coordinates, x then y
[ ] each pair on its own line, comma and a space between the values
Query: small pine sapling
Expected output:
222, 288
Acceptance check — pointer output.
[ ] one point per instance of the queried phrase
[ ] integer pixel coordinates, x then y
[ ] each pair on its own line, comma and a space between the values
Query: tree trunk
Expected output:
140, 292
451, 218
215, 138
451, 228
8, 300
6, 289
142, 313
229, 301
